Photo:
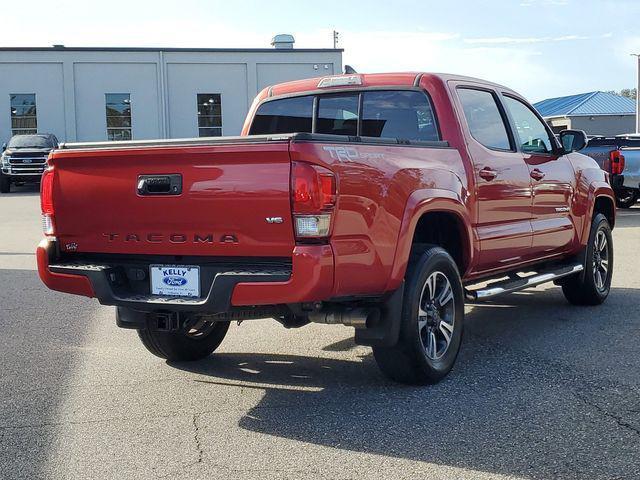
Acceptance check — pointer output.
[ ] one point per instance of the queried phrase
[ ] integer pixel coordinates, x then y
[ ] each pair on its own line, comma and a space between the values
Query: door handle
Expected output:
537, 174
488, 174
160, 184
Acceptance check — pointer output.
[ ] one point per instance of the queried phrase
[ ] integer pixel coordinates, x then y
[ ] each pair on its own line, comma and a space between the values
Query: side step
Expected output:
515, 284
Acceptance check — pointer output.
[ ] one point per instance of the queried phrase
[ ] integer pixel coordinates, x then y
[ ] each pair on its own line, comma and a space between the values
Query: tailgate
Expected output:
232, 199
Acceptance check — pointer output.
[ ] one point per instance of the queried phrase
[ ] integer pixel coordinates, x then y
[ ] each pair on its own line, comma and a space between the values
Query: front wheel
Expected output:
592, 286
431, 324
193, 341
5, 184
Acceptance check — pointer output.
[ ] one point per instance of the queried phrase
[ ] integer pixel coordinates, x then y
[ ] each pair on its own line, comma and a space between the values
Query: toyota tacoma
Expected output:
383, 202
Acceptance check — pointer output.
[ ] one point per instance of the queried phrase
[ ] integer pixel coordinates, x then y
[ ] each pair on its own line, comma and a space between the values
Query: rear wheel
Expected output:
5, 184
431, 324
194, 341
593, 285
626, 198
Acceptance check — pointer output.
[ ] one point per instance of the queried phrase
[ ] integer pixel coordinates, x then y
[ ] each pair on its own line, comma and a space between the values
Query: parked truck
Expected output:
382, 202
620, 157
24, 159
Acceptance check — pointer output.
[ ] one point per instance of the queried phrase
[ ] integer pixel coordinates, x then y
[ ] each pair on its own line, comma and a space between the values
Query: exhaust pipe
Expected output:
350, 317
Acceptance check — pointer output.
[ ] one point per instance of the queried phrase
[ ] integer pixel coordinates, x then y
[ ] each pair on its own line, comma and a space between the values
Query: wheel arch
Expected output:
605, 205
600, 199
425, 210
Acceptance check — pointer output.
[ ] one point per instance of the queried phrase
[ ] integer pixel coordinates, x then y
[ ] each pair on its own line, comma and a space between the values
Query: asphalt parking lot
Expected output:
541, 390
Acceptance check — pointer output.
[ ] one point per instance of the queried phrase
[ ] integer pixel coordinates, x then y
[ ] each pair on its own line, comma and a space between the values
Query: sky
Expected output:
541, 48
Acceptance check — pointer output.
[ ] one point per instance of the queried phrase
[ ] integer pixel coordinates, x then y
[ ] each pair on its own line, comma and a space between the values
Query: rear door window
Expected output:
398, 114
485, 122
338, 114
288, 115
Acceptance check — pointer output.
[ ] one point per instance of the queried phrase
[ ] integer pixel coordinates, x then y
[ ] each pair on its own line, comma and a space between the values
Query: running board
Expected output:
514, 285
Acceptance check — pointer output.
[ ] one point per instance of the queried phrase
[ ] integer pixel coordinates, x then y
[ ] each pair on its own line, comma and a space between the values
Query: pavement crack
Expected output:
196, 437
617, 418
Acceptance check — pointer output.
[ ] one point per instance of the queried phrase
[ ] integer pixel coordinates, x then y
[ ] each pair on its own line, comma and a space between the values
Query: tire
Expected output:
5, 184
422, 355
626, 198
593, 285
183, 345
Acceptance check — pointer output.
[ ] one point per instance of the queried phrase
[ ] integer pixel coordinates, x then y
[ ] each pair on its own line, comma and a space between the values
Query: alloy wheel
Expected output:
600, 260
436, 315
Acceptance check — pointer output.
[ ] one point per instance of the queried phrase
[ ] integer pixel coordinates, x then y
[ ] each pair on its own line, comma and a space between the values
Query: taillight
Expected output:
616, 162
313, 198
46, 201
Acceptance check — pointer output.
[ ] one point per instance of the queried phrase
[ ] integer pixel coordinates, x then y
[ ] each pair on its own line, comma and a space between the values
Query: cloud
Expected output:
518, 66
523, 40
531, 3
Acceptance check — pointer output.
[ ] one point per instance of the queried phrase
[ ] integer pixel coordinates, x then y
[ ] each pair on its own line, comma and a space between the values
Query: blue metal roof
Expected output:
591, 103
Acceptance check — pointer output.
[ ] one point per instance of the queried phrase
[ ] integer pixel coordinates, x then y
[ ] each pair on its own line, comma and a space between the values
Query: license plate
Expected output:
175, 280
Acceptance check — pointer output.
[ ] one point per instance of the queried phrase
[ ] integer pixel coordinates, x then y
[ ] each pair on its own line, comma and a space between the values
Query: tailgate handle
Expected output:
160, 184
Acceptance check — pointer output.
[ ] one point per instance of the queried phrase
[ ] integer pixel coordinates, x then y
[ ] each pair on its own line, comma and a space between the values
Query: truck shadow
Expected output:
27, 190
531, 395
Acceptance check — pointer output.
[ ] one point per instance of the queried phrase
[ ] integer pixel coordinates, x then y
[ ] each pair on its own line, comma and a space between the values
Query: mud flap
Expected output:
386, 331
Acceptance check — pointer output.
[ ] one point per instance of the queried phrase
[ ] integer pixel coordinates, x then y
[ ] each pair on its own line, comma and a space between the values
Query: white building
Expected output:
86, 94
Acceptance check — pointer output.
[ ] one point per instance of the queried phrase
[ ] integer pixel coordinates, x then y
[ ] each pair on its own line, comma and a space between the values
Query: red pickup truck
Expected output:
381, 202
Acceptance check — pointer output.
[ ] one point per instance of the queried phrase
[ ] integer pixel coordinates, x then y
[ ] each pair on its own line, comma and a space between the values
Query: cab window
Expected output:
532, 134
483, 116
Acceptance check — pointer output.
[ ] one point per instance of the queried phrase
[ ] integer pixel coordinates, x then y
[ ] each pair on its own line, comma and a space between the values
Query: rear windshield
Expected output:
288, 115
338, 114
30, 141
406, 115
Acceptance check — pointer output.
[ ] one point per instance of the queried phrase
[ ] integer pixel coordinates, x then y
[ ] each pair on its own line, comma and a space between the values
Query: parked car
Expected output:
398, 194
620, 156
25, 158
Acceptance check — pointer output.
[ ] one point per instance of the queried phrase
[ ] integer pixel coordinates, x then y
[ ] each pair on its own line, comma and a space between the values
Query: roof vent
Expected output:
283, 41
58, 45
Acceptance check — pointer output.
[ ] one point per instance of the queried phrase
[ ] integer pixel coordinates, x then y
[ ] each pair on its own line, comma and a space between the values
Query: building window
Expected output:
209, 115
23, 114
118, 116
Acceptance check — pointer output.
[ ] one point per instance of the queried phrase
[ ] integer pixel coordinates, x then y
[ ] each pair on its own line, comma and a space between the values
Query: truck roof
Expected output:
369, 80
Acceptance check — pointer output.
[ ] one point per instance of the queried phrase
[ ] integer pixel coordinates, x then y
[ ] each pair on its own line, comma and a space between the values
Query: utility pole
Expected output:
637, 55
336, 36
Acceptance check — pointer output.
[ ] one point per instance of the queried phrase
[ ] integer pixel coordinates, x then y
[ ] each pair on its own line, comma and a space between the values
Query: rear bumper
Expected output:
308, 278
617, 181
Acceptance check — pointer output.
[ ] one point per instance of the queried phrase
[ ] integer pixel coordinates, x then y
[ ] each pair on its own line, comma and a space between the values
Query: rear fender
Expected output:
421, 202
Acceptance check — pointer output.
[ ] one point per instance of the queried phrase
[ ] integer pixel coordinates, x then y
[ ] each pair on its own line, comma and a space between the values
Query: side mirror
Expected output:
573, 140
4, 147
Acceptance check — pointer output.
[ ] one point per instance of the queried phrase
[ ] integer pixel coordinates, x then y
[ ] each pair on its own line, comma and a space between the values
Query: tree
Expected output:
626, 92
